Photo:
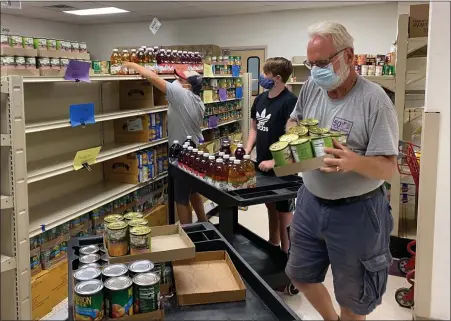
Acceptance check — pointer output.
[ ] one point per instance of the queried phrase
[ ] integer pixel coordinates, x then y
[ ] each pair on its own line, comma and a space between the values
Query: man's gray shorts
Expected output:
182, 192
354, 238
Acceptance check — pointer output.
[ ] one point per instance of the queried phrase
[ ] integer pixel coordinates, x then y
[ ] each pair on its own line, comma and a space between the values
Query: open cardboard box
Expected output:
168, 243
210, 277
154, 315
304, 166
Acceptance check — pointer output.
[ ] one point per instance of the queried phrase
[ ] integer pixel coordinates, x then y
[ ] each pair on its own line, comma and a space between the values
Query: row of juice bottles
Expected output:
224, 171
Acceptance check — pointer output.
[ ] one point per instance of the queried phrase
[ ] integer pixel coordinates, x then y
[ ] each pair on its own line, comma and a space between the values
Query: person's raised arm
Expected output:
150, 75
252, 137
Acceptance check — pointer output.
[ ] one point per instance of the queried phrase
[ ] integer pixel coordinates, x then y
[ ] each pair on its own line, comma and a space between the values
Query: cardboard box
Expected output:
48, 288
168, 243
20, 72
154, 315
47, 262
143, 128
419, 20
304, 166
157, 216
135, 94
25, 52
210, 277
63, 54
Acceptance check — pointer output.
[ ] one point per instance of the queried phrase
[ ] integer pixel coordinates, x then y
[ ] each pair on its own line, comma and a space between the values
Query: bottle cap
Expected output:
236, 162
207, 155
125, 50
133, 50
232, 158
226, 156
247, 156
176, 141
190, 148
200, 152
240, 145
219, 160
189, 137
221, 153
195, 150
115, 50
211, 157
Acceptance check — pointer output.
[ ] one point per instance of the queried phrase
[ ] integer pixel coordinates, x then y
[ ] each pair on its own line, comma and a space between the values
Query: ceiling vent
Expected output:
61, 7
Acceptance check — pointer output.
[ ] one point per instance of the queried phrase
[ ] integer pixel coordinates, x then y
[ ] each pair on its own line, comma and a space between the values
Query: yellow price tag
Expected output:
208, 71
87, 156
208, 96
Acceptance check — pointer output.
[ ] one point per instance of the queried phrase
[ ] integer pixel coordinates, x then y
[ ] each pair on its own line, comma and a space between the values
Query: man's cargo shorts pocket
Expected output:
373, 215
375, 277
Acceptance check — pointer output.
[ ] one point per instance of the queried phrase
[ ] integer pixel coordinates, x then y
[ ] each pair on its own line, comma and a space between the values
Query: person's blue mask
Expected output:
265, 82
325, 77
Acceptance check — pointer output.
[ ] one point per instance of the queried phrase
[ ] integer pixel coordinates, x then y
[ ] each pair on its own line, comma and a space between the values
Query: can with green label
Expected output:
89, 300
119, 297
27, 42
339, 137
146, 291
319, 143
97, 67
40, 43
298, 130
51, 44
288, 137
318, 130
309, 122
15, 41
301, 149
281, 153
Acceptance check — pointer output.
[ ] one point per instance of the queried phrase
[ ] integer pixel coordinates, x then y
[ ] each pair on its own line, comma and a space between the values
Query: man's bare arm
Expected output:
376, 167
150, 75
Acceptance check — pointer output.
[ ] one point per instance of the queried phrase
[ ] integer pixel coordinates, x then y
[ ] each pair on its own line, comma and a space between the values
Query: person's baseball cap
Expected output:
193, 78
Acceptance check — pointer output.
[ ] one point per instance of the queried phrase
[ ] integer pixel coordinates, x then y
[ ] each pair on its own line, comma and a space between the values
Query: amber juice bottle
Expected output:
220, 175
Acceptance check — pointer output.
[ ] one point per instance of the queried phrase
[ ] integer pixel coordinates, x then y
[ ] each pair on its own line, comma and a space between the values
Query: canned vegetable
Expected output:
138, 222
30, 62
117, 238
281, 153
89, 249
89, 301
20, 62
90, 258
113, 270
132, 216
40, 43
27, 42
301, 149
318, 144
119, 297
51, 44
43, 63
94, 265
142, 266
55, 63
86, 274
74, 46
140, 239
5, 42
8, 62
298, 130
146, 290
15, 41
288, 137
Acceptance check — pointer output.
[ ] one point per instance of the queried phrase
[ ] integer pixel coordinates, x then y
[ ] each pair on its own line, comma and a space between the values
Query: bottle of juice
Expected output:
188, 158
197, 57
197, 161
236, 176
189, 140
226, 159
125, 57
169, 56
181, 159
185, 57
160, 56
225, 147
174, 56
220, 175
140, 56
203, 166
202, 146
174, 151
240, 152
149, 55
192, 158
210, 169
115, 62
249, 170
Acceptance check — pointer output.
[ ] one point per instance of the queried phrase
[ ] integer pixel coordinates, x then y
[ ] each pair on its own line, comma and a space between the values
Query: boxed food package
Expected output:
196, 284
136, 94
419, 20
144, 128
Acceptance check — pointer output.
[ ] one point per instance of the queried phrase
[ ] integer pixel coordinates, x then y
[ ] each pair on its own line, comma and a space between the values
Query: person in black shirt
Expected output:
270, 112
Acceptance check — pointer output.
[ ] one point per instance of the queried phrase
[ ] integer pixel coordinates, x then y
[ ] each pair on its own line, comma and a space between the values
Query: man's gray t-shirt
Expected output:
368, 117
185, 113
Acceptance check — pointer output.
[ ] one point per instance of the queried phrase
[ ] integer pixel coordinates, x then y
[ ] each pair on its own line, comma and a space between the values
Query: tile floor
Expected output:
256, 220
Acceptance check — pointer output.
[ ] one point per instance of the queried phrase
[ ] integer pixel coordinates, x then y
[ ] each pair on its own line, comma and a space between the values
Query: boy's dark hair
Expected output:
278, 66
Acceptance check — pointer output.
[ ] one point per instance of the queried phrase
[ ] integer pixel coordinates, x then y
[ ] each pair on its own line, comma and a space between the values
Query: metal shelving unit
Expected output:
40, 189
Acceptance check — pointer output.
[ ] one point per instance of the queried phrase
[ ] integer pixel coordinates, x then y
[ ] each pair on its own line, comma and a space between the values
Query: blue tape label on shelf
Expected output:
81, 114
213, 122
239, 92
236, 71
78, 71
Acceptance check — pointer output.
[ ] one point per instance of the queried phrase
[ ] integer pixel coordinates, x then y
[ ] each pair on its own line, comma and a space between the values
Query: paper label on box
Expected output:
134, 125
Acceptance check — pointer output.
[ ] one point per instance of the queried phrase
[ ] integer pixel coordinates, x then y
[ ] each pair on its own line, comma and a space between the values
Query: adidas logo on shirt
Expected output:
262, 119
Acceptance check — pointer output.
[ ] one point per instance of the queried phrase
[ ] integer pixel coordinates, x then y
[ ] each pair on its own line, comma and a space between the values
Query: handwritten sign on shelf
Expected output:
86, 156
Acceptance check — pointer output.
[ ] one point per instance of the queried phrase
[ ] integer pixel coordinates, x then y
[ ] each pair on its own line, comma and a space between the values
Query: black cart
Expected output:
268, 261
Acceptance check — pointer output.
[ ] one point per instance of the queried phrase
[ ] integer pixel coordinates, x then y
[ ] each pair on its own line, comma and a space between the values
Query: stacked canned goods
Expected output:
374, 65
117, 290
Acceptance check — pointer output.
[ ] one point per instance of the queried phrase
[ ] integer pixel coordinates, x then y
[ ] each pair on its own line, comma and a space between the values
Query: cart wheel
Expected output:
400, 298
402, 265
291, 290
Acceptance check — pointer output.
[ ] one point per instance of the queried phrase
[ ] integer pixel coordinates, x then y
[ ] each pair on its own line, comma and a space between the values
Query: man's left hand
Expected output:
267, 165
345, 159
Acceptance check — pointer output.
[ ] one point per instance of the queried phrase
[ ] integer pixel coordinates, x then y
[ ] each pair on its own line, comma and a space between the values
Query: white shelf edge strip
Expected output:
62, 123
59, 312
87, 203
5, 140
109, 151
8, 263
6, 202
223, 124
40, 79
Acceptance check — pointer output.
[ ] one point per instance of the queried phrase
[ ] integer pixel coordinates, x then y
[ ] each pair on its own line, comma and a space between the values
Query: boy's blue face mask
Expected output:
265, 82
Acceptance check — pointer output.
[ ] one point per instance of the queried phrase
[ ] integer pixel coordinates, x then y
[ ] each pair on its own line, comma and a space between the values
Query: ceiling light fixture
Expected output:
96, 11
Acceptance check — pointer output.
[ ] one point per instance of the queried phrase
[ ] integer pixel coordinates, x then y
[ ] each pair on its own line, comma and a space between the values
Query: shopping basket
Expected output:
409, 154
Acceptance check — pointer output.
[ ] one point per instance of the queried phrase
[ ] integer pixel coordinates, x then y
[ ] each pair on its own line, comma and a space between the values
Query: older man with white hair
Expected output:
342, 215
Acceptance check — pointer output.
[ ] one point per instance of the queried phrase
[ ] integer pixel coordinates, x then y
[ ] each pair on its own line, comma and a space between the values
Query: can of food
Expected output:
371, 70
119, 297
102, 249
82, 47
8, 62
318, 130
301, 149
5, 42
339, 137
114, 271
62, 45
15, 41
104, 259
132, 216
309, 122
386, 70
64, 62
364, 70
51, 44
43, 63
288, 137
142, 266
117, 238
89, 249
90, 258
146, 292
105, 67
138, 222
281, 153
55, 63
94, 265
391, 71
159, 270
357, 69
298, 130
140, 239
318, 144
378, 71
20, 62
96, 67
110, 219
74, 46
89, 301
27, 42
86, 274
30, 62
40, 43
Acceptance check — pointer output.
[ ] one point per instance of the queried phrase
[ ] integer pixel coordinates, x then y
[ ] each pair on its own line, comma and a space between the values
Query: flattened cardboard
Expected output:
157, 216
169, 243
304, 166
210, 277
419, 20
154, 315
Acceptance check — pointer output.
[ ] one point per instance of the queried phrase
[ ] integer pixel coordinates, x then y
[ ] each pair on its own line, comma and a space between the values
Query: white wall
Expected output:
284, 33
41, 28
